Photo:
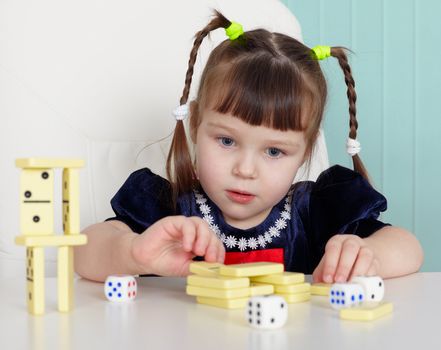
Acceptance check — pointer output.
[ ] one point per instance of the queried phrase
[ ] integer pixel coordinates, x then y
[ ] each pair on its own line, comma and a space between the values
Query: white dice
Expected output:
120, 287
344, 295
373, 287
268, 311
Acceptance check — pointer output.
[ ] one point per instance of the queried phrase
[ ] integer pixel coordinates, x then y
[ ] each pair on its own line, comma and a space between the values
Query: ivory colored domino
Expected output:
295, 298
219, 282
281, 278
65, 279
320, 289
51, 240
71, 201
367, 311
292, 288
35, 280
251, 269
261, 289
238, 303
218, 293
37, 201
39, 163
203, 268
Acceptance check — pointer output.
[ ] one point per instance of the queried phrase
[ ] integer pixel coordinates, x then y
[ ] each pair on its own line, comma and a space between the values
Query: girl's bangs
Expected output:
259, 94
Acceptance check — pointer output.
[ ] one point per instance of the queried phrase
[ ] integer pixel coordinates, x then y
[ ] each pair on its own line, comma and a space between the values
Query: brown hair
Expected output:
262, 78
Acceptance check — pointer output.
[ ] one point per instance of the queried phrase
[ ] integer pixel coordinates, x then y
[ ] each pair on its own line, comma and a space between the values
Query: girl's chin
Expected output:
243, 221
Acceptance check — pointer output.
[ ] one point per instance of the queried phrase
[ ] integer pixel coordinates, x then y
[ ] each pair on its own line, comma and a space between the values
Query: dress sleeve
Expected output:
341, 201
142, 200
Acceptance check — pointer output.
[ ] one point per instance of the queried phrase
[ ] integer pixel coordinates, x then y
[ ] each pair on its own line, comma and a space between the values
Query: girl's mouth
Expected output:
240, 197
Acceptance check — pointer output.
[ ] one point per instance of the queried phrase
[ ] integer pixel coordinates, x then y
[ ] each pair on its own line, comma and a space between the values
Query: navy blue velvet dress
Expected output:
294, 233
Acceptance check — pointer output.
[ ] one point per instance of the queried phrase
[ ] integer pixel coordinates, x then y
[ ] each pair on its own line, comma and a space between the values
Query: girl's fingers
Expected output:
216, 250
374, 268
207, 244
211, 254
195, 236
203, 237
317, 275
331, 259
220, 253
363, 263
348, 256
188, 235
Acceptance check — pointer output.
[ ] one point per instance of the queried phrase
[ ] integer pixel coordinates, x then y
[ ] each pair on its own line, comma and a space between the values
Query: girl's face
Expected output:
245, 169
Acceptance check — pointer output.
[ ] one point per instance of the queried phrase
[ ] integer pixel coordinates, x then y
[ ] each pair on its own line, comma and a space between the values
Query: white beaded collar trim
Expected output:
244, 243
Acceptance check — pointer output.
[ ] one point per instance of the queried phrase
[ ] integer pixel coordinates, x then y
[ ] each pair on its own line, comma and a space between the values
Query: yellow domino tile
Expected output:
37, 185
296, 298
37, 218
261, 289
251, 269
35, 280
65, 278
39, 163
203, 268
281, 278
239, 303
51, 241
292, 288
321, 289
219, 282
36, 201
71, 201
218, 293
367, 311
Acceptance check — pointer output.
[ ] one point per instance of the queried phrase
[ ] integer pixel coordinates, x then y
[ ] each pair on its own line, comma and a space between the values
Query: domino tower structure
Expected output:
37, 226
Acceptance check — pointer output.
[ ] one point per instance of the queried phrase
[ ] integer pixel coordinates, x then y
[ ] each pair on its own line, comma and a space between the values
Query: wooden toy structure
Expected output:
37, 226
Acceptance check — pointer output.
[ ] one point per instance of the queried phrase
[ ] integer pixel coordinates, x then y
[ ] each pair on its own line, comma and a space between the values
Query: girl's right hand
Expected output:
168, 247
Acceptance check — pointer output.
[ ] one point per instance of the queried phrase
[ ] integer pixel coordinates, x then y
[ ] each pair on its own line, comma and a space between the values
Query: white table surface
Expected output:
164, 317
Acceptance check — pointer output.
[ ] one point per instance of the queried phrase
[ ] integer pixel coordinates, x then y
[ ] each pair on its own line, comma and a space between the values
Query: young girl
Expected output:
253, 124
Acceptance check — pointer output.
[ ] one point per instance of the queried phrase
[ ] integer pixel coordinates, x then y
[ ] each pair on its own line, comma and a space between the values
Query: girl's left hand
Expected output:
345, 256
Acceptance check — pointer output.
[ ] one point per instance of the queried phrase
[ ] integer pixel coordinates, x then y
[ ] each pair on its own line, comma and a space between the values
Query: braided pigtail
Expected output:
340, 55
179, 167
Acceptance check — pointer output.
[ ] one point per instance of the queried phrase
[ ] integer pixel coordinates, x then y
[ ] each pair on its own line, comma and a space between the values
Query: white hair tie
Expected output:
353, 147
181, 112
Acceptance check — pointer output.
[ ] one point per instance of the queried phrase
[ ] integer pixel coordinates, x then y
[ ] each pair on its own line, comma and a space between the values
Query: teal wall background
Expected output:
395, 63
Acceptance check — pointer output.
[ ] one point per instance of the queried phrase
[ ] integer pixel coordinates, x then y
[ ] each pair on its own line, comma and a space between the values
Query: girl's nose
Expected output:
245, 166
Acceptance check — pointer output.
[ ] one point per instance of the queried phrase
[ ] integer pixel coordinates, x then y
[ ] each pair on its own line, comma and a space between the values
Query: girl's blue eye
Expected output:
226, 141
274, 152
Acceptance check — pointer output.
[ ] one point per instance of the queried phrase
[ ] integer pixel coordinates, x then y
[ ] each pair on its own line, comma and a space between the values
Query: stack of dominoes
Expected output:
321, 289
230, 286
289, 285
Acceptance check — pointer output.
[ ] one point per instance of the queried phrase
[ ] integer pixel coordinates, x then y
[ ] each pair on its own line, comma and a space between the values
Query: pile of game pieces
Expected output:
230, 286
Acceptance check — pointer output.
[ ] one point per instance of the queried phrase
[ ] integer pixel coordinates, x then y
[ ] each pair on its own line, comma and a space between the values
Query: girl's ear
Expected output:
194, 120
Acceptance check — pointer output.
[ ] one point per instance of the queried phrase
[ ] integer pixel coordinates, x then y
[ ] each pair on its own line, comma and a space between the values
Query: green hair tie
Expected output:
234, 31
320, 52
